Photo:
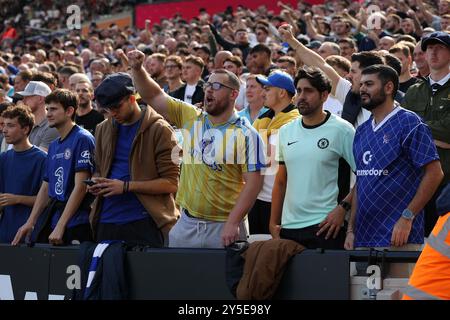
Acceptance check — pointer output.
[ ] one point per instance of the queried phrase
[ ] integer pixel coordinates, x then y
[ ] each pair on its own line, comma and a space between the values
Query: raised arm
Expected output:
311, 30
149, 90
227, 45
309, 57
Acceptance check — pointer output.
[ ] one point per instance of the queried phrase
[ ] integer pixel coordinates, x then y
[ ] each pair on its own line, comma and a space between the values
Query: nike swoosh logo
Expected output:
289, 143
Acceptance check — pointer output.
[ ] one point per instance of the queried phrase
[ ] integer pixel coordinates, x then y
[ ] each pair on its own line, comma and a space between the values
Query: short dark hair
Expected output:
261, 48
393, 62
385, 74
205, 49
367, 58
65, 97
25, 75
401, 47
68, 70
340, 62
195, 60
45, 77
175, 59
316, 77
407, 38
235, 60
289, 60
5, 105
349, 41
23, 114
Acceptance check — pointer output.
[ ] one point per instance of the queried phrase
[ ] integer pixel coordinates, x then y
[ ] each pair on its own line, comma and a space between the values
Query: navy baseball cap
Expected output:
314, 44
436, 37
279, 79
113, 89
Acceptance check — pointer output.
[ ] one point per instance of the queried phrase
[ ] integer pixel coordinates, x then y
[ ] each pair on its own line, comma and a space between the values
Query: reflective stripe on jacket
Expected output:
430, 279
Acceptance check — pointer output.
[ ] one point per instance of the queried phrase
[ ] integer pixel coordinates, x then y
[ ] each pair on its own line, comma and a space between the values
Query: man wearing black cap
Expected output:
430, 100
136, 177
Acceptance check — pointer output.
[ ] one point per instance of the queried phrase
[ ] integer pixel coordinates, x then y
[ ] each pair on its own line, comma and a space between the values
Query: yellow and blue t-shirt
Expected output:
214, 159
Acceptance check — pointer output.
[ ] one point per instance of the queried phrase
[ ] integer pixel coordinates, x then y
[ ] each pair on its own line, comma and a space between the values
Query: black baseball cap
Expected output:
436, 37
113, 89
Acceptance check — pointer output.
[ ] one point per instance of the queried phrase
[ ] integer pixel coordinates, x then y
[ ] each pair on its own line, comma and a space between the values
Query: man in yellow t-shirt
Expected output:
222, 158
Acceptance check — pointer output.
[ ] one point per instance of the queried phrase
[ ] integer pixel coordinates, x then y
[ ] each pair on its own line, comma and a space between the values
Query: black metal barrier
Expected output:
46, 272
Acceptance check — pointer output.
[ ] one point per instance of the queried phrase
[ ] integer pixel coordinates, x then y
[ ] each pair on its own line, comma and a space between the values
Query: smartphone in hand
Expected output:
89, 182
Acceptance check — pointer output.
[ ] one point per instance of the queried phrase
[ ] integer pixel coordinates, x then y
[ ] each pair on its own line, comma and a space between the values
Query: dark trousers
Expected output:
431, 214
137, 233
307, 237
80, 233
259, 217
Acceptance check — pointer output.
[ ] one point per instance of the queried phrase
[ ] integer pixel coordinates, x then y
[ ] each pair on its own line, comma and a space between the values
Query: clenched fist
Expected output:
286, 32
134, 59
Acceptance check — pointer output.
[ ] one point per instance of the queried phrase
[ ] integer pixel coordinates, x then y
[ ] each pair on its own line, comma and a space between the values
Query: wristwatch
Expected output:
408, 214
346, 205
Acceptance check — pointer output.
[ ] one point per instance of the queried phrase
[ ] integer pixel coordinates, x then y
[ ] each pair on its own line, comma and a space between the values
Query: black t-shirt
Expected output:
405, 85
89, 121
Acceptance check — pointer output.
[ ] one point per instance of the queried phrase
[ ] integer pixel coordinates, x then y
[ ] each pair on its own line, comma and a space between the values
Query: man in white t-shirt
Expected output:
192, 92
304, 198
345, 91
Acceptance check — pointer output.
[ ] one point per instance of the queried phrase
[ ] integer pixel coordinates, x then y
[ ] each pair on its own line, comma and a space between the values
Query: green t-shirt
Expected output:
311, 156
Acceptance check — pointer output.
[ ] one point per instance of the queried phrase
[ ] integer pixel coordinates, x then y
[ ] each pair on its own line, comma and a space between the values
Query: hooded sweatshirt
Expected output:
150, 158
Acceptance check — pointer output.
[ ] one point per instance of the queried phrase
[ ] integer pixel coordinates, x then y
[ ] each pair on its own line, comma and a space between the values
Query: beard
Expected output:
373, 102
215, 107
306, 109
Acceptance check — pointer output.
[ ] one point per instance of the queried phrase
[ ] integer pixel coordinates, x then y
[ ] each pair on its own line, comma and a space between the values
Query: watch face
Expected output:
407, 214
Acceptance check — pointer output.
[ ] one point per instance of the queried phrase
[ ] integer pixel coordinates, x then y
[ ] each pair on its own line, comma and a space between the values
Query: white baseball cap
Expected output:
35, 88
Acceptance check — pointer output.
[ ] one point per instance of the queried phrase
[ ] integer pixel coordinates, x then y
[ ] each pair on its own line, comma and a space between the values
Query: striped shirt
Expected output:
214, 159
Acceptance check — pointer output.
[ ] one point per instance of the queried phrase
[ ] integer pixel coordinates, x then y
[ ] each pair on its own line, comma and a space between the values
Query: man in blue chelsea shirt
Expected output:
397, 168
69, 163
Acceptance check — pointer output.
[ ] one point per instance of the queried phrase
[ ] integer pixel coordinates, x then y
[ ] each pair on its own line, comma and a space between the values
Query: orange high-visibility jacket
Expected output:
431, 276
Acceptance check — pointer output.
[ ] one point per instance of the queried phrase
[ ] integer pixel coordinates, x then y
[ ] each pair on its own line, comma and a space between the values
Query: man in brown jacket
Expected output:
136, 177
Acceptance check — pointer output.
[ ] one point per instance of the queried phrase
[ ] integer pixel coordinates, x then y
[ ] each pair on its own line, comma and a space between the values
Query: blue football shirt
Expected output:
65, 158
21, 173
122, 208
389, 167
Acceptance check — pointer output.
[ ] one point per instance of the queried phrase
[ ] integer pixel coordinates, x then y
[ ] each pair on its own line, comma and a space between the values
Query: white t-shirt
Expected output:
333, 105
269, 173
190, 89
342, 89
241, 100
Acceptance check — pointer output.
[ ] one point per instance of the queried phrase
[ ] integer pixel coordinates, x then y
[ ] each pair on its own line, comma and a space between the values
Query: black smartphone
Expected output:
89, 182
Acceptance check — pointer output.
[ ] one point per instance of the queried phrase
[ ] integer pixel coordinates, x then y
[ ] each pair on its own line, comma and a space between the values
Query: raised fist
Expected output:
135, 59
285, 31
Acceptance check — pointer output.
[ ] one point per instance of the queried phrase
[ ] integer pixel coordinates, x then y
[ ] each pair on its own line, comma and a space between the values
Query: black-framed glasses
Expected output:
216, 86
